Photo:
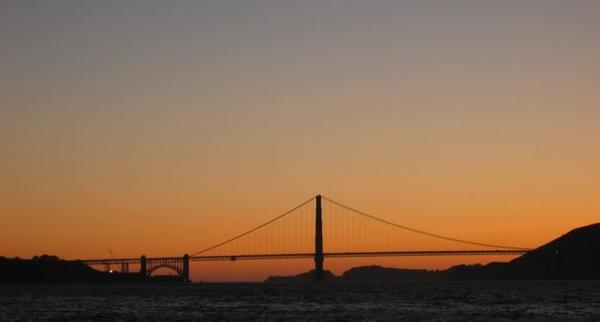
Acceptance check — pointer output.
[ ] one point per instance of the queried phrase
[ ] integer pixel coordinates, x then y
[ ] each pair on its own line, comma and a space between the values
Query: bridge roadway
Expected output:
310, 255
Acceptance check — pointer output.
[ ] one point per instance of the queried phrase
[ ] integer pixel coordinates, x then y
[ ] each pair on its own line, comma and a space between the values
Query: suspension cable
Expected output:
420, 231
254, 229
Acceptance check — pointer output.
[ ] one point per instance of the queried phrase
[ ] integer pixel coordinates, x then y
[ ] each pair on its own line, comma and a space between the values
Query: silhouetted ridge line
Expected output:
51, 269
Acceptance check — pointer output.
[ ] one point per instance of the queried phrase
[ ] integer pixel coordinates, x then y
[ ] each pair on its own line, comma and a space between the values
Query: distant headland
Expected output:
51, 269
575, 255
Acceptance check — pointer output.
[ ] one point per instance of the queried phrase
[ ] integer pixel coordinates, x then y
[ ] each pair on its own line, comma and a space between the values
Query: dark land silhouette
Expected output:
575, 255
50, 269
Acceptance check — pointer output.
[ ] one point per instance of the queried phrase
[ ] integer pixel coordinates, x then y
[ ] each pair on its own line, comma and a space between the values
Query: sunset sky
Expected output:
161, 128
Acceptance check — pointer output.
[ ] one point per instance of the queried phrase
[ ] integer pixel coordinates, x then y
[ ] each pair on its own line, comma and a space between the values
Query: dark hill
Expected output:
301, 278
44, 269
575, 255
384, 274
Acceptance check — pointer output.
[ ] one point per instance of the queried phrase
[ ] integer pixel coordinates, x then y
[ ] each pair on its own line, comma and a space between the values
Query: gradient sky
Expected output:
161, 128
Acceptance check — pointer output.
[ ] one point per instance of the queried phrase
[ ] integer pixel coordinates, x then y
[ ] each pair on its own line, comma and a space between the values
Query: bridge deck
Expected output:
498, 252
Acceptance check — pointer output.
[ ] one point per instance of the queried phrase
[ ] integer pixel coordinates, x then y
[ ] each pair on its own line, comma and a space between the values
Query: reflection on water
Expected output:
451, 301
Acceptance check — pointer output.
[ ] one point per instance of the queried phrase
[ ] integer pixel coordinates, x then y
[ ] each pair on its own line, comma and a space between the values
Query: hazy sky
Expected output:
162, 127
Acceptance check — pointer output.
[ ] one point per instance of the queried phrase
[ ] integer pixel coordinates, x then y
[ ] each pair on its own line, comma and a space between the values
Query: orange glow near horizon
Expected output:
160, 240
163, 129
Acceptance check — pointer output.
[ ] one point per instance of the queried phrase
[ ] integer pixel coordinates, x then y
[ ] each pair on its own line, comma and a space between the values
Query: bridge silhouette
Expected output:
318, 228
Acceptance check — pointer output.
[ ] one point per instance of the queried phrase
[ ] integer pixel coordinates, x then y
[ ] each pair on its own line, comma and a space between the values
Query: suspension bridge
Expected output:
318, 228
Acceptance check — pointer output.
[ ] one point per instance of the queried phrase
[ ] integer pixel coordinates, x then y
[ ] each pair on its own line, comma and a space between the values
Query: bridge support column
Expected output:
318, 241
143, 266
186, 268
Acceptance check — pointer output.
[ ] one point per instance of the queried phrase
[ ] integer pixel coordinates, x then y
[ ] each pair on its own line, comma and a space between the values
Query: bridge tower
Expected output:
186, 268
143, 266
318, 240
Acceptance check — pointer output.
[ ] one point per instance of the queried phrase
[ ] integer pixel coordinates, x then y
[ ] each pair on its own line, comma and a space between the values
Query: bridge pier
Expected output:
318, 240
